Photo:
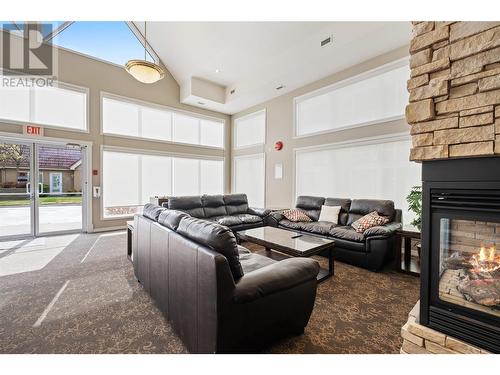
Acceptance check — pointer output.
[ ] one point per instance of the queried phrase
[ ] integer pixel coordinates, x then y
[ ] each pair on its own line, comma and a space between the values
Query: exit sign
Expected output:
32, 130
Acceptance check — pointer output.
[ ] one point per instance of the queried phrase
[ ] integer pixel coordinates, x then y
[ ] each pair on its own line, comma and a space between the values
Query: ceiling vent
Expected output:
326, 41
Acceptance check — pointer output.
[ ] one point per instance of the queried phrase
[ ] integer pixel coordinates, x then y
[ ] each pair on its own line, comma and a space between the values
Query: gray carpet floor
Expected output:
78, 294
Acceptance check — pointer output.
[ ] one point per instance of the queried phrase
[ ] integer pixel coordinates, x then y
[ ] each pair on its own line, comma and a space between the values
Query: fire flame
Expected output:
486, 260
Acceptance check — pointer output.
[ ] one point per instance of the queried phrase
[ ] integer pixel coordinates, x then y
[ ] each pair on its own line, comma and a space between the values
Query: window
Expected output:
249, 178
111, 41
378, 169
131, 179
373, 97
61, 106
128, 118
250, 130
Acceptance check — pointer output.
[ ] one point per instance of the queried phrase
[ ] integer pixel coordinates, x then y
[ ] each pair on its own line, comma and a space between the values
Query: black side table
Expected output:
406, 264
130, 233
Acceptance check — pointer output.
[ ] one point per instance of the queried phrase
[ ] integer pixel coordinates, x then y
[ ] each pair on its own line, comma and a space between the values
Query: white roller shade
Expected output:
131, 179
250, 130
369, 98
136, 119
379, 170
249, 178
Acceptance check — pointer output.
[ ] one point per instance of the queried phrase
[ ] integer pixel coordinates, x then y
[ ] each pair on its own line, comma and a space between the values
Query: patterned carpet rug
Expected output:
85, 299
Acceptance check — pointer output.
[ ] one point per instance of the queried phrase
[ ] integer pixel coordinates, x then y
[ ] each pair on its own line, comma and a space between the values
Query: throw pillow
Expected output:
371, 220
296, 215
330, 213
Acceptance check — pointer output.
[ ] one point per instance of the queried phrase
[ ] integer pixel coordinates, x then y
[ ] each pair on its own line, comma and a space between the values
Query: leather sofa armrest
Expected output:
274, 218
262, 212
275, 278
383, 230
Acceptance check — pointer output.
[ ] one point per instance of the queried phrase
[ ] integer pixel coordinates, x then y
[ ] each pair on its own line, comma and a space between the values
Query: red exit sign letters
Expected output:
33, 130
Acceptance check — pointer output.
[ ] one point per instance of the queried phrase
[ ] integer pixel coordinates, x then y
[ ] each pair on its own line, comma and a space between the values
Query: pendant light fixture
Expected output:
142, 70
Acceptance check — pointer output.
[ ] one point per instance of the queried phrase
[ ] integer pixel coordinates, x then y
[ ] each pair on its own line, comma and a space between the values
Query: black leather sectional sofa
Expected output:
371, 249
231, 210
218, 296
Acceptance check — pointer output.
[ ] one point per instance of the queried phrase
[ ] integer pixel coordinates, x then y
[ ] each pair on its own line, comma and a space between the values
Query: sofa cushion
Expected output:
296, 215
218, 237
330, 213
316, 227
362, 207
213, 205
346, 233
249, 219
226, 220
368, 221
193, 205
171, 218
152, 211
251, 262
310, 205
236, 204
345, 205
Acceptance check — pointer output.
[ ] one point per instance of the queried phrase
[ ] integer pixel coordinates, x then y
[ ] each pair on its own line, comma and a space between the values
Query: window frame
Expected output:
399, 63
155, 106
249, 115
63, 85
138, 151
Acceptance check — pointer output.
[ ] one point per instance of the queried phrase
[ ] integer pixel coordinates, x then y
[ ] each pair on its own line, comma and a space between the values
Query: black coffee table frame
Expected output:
270, 246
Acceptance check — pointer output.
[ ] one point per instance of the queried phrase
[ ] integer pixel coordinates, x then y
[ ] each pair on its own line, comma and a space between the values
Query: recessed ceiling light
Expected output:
217, 70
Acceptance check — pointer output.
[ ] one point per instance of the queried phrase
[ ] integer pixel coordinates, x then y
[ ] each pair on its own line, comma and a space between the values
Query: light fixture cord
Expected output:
145, 41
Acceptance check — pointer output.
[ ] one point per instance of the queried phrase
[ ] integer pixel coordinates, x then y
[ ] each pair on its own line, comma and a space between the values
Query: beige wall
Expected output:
99, 76
279, 193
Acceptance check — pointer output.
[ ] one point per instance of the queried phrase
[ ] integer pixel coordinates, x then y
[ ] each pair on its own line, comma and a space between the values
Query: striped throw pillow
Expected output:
296, 215
368, 221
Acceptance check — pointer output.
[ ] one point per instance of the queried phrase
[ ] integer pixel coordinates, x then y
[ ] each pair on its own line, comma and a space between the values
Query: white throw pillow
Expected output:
330, 213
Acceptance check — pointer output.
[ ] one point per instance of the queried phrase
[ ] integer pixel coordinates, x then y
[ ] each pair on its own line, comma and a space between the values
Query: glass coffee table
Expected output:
293, 244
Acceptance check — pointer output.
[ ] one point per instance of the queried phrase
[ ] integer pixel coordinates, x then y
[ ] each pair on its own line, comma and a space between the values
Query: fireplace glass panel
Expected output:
469, 264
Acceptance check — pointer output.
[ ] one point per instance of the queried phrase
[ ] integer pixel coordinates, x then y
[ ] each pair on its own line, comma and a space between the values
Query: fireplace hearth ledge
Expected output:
419, 339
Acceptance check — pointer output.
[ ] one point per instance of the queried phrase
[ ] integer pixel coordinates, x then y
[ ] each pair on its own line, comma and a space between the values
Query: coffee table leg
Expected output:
331, 264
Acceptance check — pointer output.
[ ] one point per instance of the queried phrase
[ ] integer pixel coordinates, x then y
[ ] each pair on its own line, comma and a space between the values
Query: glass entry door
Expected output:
58, 197
41, 189
16, 196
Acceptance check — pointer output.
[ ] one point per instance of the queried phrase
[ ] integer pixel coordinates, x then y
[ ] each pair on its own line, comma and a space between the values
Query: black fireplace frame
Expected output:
446, 188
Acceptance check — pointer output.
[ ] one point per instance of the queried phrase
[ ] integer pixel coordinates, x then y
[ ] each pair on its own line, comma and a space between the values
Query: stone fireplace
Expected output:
454, 115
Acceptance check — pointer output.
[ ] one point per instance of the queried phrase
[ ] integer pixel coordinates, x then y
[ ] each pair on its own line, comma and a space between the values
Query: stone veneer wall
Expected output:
454, 87
418, 339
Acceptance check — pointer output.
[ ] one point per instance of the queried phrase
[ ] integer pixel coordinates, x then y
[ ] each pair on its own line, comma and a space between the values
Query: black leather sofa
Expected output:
231, 210
218, 296
371, 249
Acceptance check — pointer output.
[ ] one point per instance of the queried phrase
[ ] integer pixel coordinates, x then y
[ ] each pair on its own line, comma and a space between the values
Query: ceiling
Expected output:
253, 58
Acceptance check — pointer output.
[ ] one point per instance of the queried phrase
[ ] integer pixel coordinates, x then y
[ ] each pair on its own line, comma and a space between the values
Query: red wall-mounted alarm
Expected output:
278, 146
